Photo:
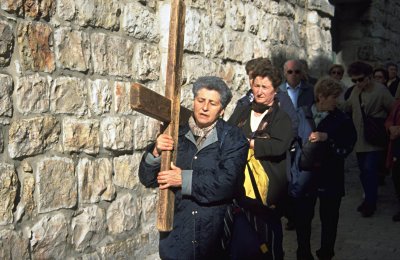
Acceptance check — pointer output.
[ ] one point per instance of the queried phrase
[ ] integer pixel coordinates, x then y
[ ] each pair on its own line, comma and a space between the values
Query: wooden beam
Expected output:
166, 200
152, 104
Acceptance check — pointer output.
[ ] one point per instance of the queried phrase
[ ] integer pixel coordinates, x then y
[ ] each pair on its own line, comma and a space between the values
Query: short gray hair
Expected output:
213, 83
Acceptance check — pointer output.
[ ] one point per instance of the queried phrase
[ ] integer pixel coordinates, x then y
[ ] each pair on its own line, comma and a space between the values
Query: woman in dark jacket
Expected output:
333, 134
209, 168
270, 134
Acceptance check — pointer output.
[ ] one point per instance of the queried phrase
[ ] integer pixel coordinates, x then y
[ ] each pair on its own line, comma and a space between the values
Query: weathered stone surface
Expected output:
88, 227
39, 8
32, 136
146, 65
125, 171
323, 6
96, 13
193, 28
213, 42
6, 43
35, 46
122, 249
68, 96
1, 140
72, 49
95, 180
140, 22
124, 213
33, 94
100, 96
253, 15
122, 92
27, 204
238, 46
145, 129
55, 184
81, 135
12, 6
6, 89
117, 133
49, 237
217, 9
235, 16
8, 192
112, 55
13, 245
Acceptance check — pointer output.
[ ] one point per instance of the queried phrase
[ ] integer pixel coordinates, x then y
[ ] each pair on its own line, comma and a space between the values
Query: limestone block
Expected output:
123, 249
315, 37
100, 96
145, 131
124, 213
122, 92
68, 96
96, 13
149, 207
8, 192
112, 55
33, 94
199, 4
6, 89
213, 42
217, 9
6, 43
13, 245
253, 15
287, 9
323, 6
140, 22
39, 9
238, 46
117, 133
99, 53
193, 28
31, 136
72, 49
91, 256
126, 171
14, 7
236, 16
27, 204
95, 180
49, 237
55, 184
35, 46
81, 135
1, 140
88, 227
146, 62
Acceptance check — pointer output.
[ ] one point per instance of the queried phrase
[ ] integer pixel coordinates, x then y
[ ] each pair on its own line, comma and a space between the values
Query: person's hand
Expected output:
251, 142
394, 132
318, 137
164, 142
170, 178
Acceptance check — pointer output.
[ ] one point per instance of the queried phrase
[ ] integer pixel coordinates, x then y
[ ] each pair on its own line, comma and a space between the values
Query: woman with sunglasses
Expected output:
376, 101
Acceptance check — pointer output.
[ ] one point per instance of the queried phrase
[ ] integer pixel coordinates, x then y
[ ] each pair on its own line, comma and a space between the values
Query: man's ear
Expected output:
221, 113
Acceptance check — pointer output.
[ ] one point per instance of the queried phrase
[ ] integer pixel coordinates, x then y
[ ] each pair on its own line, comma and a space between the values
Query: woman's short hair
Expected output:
359, 68
270, 71
213, 83
384, 72
336, 66
327, 86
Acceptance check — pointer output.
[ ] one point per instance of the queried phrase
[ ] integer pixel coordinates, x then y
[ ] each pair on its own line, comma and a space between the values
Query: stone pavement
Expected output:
358, 238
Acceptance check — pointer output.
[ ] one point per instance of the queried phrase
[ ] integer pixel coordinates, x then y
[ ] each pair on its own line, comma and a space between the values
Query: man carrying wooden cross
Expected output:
211, 156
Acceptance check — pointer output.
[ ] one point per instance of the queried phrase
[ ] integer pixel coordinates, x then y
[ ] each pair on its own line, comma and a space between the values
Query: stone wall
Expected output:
69, 142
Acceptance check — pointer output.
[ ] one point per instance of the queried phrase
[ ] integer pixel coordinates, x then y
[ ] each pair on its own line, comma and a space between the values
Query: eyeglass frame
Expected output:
297, 72
359, 80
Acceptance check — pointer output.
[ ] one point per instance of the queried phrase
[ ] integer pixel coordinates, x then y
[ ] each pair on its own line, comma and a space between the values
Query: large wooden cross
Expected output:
166, 109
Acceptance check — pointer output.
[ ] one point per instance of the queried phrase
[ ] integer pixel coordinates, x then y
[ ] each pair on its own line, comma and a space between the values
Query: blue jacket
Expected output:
210, 178
306, 95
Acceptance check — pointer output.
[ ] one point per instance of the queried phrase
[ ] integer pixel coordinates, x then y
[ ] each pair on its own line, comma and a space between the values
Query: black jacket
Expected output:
216, 172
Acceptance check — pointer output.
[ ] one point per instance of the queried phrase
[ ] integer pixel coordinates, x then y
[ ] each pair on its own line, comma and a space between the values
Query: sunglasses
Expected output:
295, 71
336, 72
358, 80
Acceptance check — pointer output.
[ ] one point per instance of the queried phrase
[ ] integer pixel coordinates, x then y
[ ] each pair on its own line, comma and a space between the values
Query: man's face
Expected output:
392, 70
207, 107
263, 90
360, 81
293, 73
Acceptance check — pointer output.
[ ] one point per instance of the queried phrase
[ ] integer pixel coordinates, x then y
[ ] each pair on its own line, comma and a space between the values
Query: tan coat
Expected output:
377, 103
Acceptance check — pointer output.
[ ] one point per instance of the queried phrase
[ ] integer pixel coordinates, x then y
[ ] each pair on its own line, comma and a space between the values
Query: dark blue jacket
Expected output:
216, 171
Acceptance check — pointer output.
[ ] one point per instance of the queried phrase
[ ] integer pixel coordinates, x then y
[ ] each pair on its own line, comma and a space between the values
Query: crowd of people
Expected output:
282, 149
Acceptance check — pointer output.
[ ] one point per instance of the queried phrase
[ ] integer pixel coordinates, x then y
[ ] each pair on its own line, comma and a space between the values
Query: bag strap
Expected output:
361, 107
253, 182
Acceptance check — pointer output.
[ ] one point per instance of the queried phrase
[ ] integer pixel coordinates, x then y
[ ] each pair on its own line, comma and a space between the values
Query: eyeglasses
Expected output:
358, 80
334, 72
291, 71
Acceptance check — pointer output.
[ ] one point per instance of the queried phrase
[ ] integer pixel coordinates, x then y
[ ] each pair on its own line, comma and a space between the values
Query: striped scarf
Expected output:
202, 133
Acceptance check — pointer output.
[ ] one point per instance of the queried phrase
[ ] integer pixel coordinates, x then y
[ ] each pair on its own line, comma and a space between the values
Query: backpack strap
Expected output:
254, 184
